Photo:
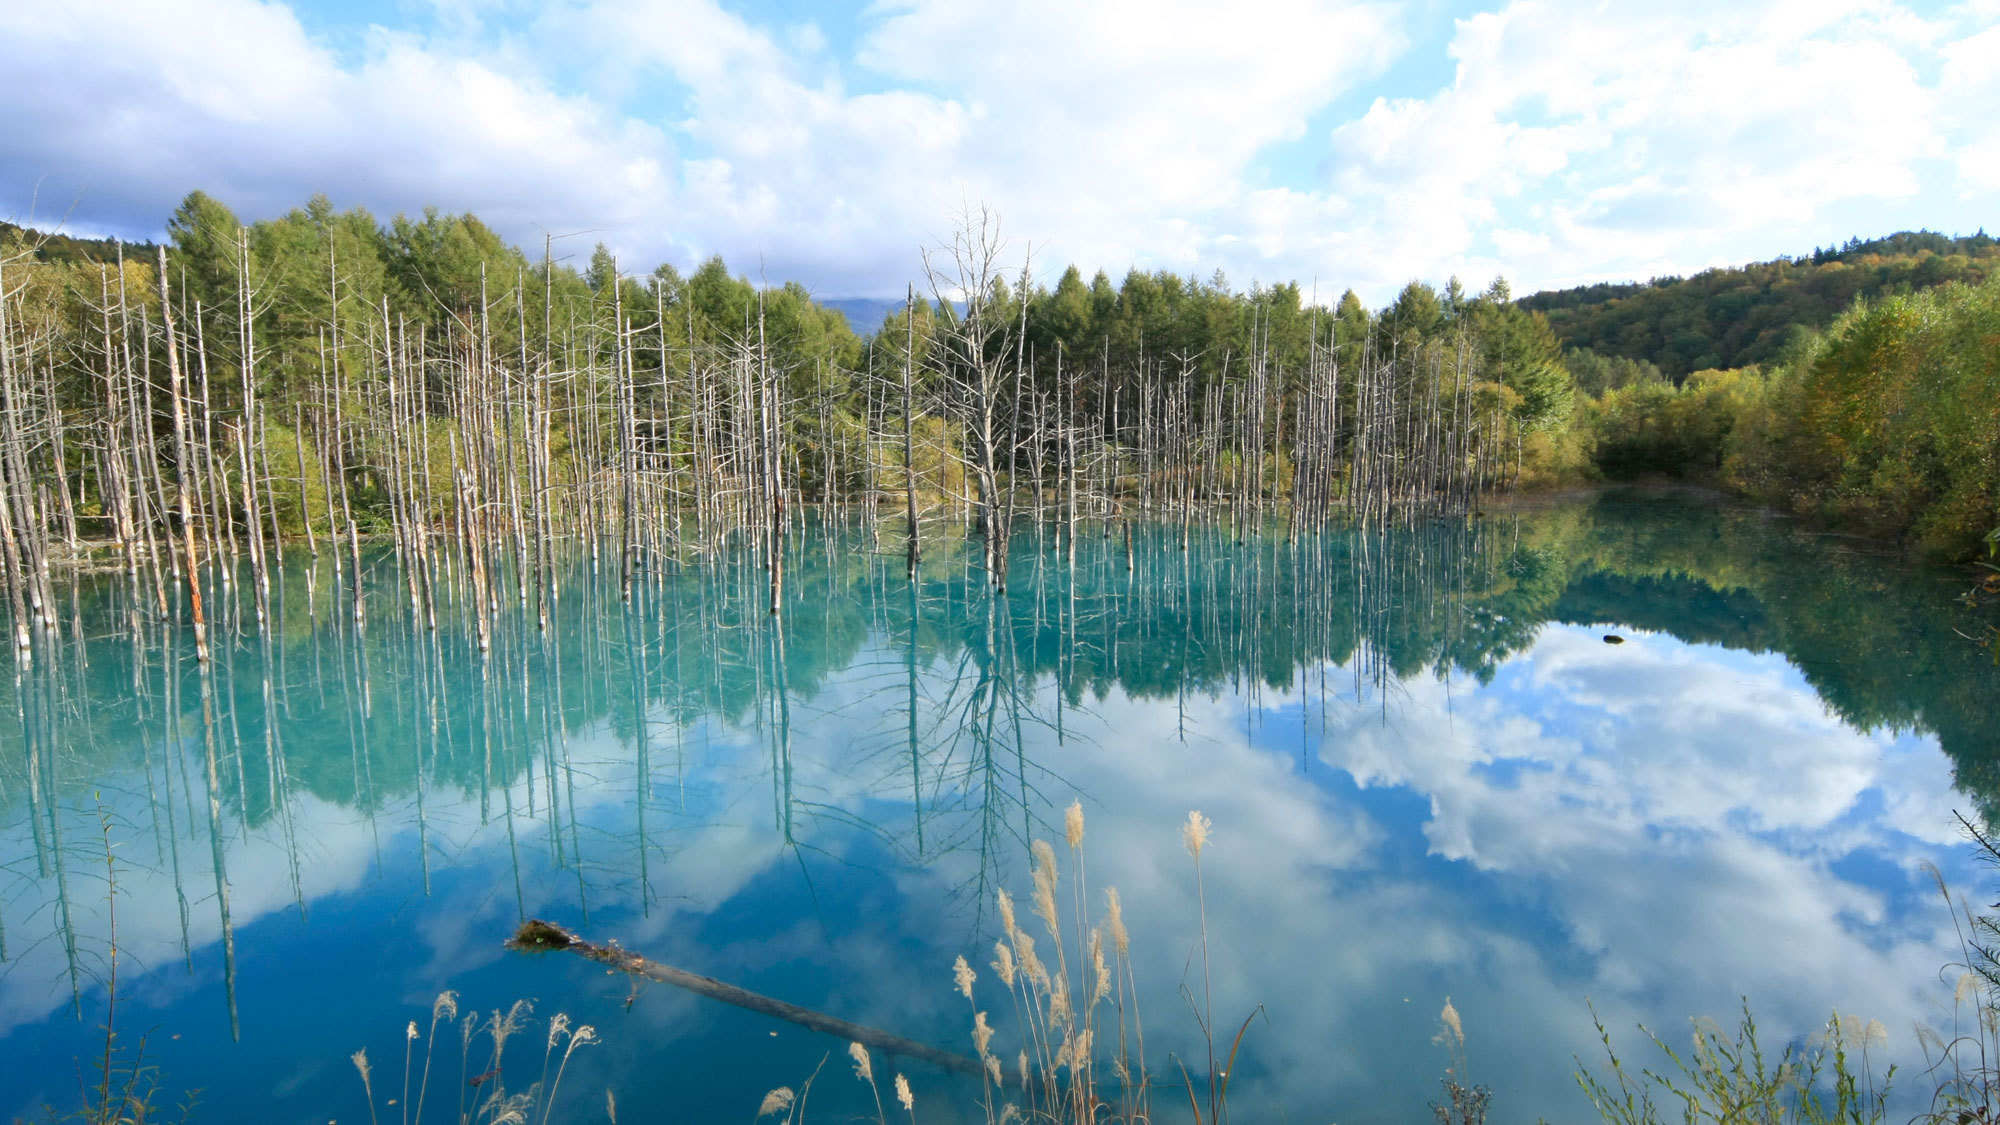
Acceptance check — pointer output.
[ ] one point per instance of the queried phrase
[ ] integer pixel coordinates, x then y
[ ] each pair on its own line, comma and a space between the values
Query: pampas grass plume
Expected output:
1097, 964
1003, 963
1045, 884
963, 976
1061, 1014
1874, 1033
982, 1033
777, 1101
1453, 1031
1031, 965
510, 1111
863, 1069
504, 1026
360, 1060
1045, 857
1195, 832
1073, 824
903, 1094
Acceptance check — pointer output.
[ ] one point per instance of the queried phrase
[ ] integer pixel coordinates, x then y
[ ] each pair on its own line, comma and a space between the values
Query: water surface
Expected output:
1429, 776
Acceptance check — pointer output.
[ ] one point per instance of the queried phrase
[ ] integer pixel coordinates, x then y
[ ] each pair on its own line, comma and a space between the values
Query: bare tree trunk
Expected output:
10, 536
183, 469
914, 552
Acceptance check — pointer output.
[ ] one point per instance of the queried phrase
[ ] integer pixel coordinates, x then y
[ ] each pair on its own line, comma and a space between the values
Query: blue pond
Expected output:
1428, 774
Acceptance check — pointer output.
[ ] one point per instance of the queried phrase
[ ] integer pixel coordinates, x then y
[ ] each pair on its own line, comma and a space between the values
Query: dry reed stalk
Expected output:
443, 1010
582, 1036
360, 1061
1194, 834
865, 1070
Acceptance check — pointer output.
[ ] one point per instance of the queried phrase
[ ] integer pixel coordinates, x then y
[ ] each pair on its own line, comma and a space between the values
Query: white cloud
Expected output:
134, 105
1575, 140
1968, 90
1581, 140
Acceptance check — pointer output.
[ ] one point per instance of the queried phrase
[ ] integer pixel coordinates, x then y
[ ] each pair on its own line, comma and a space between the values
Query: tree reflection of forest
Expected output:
397, 716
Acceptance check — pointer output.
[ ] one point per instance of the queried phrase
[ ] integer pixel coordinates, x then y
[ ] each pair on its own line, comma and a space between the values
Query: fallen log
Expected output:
537, 936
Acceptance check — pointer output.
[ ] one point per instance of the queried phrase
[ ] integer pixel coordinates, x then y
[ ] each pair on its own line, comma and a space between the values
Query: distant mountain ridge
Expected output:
864, 314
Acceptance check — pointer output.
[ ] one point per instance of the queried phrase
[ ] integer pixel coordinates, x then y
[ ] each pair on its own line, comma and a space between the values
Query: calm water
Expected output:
1428, 774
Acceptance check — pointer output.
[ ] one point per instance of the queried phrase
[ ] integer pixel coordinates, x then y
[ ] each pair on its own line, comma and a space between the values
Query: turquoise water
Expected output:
1428, 773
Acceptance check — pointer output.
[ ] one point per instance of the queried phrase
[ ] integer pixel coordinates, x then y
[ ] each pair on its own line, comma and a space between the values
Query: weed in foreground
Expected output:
1728, 1079
127, 1083
1963, 1061
1464, 1103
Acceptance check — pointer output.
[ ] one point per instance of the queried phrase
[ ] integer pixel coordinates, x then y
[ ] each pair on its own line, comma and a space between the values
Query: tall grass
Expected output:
1080, 1056
1080, 1049
1830, 1079
1729, 1079
484, 1098
1963, 1061
1064, 1011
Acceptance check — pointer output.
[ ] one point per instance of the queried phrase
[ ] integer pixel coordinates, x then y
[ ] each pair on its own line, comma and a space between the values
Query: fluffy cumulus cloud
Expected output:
1676, 801
126, 107
1569, 141
1580, 139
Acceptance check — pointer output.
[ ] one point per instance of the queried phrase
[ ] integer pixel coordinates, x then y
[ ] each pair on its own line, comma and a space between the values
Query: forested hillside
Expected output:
1743, 315
1888, 423
63, 249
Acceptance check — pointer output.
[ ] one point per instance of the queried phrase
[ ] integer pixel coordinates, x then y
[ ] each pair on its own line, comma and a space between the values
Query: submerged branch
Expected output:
537, 936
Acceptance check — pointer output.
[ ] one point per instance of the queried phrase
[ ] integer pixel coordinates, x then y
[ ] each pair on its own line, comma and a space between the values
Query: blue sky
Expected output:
1341, 143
